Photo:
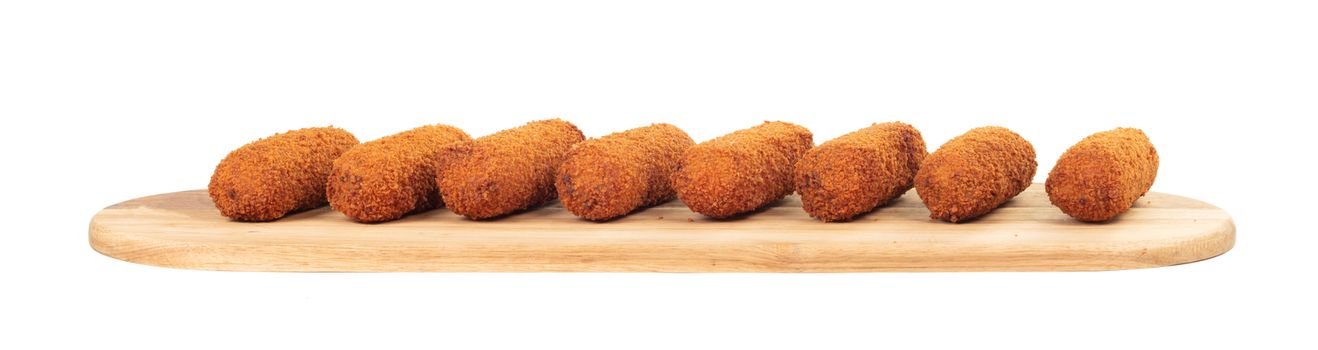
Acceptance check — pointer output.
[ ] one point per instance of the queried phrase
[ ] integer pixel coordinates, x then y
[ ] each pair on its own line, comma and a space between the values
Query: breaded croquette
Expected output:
507, 171
274, 176
857, 172
610, 176
390, 177
974, 173
1101, 176
741, 171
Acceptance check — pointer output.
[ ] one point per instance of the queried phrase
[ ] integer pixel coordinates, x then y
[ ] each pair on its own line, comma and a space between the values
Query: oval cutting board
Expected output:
184, 230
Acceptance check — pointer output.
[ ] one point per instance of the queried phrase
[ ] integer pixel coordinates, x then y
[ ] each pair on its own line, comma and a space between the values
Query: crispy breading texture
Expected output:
505, 172
611, 176
390, 177
1103, 175
857, 172
741, 171
975, 173
277, 175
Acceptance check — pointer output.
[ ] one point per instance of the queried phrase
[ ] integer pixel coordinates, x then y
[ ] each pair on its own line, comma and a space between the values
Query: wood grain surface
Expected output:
184, 230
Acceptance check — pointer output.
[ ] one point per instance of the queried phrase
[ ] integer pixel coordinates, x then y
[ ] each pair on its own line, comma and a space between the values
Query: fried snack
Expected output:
1101, 176
857, 172
610, 176
974, 173
742, 171
507, 171
274, 176
390, 177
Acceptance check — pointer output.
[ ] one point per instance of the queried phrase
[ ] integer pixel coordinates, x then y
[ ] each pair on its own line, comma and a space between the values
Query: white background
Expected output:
103, 101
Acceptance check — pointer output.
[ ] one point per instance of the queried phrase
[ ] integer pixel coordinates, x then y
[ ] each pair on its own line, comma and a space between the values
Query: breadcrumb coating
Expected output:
390, 177
741, 171
277, 175
1103, 175
857, 172
505, 172
611, 176
975, 173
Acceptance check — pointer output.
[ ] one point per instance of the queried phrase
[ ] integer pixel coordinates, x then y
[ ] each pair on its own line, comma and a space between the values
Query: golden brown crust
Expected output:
610, 176
741, 171
857, 172
390, 177
974, 173
507, 171
1103, 175
271, 177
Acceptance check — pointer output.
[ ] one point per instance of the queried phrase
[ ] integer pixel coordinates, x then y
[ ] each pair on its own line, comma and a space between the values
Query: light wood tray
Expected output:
184, 230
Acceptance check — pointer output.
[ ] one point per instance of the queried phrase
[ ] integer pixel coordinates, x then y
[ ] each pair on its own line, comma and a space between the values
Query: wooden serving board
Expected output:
184, 230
